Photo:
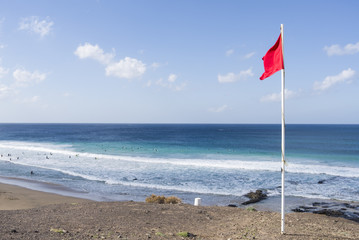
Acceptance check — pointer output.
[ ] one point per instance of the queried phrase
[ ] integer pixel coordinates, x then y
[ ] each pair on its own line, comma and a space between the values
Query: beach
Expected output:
29, 214
219, 163
90, 181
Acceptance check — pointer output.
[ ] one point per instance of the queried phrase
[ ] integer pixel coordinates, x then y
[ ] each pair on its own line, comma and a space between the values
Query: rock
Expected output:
298, 210
319, 203
307, 208
191, 235
231, 205
255, 197
330, 212
347, 205
321, 181
332, 209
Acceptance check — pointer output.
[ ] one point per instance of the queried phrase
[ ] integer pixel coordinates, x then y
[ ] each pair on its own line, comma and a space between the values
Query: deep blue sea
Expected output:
217, 162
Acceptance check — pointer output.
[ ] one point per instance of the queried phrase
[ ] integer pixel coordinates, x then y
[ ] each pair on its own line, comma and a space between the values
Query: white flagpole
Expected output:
283, 137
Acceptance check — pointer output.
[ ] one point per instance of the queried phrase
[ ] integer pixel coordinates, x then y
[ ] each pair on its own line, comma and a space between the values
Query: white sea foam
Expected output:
166, 173
63, 157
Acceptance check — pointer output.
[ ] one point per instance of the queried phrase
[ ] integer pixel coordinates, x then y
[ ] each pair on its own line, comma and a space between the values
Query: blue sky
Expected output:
177, 61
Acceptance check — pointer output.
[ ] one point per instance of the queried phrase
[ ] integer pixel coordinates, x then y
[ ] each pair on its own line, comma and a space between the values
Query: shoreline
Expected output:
32, 214
51, 216
45, 187
272, 203
13, 197
44, 193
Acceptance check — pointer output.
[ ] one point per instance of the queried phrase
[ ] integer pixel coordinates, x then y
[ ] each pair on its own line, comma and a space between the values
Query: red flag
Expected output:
273, 60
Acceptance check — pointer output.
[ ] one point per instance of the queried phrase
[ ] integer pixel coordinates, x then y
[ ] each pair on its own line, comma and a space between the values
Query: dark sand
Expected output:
28, 214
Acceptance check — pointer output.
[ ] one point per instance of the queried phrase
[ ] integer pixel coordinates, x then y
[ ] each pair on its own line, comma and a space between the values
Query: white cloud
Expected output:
5, 91
126, 68
170, 83
179, 87
155, 65
149, 83
172, 78
231, 77
93, 52
31, 100
277, 97
24, 78
338, 50
34, 99
229, 52
3, 72
34, 24
219, 109
249, 55
329, 81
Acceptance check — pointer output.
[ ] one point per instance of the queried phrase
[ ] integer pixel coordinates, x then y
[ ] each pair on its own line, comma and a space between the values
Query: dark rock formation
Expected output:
332, 209
232, 205
330, 212
255, 197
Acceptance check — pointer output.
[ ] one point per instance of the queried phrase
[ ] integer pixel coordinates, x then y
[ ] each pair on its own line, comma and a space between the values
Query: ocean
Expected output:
216, 162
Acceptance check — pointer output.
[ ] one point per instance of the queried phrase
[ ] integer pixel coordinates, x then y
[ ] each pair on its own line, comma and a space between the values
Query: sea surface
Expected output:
216, 162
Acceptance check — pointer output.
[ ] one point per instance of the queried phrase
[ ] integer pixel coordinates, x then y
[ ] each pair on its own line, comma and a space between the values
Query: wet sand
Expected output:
13, 197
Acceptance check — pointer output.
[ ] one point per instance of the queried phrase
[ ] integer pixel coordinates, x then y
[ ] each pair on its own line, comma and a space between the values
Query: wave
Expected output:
246, 163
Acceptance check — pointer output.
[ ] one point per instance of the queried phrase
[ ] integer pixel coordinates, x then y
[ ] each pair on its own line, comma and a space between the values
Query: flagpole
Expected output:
283, 138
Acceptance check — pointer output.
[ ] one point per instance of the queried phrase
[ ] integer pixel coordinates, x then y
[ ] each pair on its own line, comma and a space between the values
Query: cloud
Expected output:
229, 52
172, 78
219, 109
155, 65
127, 68
277, 97
179, 87
35, 25
348, 49
24, 78
93, 52
249, 55
21, 78
3, 72
231, 77
33, 99
5, 91
170, 83
329, 81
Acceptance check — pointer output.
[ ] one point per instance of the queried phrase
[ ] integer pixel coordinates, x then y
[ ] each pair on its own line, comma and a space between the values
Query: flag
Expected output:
273, 60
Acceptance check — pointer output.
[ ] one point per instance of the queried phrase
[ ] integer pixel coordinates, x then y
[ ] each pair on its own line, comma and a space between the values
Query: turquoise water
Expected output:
219, 163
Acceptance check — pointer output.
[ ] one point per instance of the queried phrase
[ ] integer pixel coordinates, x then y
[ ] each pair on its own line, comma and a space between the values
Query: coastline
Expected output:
13, 197
62, 194
30, 214
45, 187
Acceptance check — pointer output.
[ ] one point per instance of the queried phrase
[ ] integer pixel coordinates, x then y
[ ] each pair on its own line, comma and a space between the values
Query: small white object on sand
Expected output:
197, 202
